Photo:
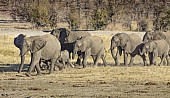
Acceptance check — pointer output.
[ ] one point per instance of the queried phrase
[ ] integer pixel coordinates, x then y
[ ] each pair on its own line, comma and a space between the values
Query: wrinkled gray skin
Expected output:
64, 58
46, 47
90, 46
67, 39
155, 35
129, 43
18, 43
159, 48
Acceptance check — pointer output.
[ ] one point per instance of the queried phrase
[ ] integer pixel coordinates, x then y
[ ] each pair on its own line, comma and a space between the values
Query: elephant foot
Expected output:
39, 74
19, 72
105, 64
159, 64
28, 74
130, 64
152, 64
61, 68
84, 66
117, 64
95, 66
51, 72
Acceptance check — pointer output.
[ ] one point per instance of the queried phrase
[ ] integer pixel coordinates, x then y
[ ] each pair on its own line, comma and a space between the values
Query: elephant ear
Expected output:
159, 36
152, 46
123, 41
18, 40
38, 44
86, 44
56, 33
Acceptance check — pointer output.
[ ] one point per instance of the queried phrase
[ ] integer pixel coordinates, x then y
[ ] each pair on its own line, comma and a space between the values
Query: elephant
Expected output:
46, 47
67, 39
130, 44
18, 43
90, 46
155, 35
151, 35
159, 48
64, 58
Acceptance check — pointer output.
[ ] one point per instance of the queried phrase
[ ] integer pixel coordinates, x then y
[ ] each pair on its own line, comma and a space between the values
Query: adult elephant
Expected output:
129, 43
90, 46
46, 47
155, 35
18, 41
67, 39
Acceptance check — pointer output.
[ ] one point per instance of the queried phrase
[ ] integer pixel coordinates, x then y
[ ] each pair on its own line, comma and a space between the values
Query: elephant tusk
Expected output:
140, 52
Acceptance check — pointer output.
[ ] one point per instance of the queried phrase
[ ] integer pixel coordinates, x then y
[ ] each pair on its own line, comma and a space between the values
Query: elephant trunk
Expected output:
22, 63
112, 52
75, 50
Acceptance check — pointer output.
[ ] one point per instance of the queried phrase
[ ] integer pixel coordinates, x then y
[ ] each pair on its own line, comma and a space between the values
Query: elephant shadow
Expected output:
12, 67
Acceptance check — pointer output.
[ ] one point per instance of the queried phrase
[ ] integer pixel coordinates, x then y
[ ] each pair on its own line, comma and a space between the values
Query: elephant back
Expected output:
97, 44
52, 42
167, 34
73, 36
162, 46
135, 41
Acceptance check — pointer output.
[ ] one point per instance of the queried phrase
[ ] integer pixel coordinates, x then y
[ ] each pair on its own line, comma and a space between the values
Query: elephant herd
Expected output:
55, 49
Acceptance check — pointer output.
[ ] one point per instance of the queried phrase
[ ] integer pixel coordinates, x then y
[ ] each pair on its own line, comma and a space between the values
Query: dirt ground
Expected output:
136, 81
103, 82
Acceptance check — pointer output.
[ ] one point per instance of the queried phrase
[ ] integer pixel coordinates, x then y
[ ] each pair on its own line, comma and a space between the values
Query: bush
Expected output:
99, 19
39, 13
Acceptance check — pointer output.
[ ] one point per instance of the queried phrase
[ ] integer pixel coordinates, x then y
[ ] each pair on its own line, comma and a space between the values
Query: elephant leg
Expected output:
116, 57
97, 58
154, 58
131, 60
162, 59
64, 63
85, 56
96, 61
150, 58
93, 57
84, 61
78, 62
70, 63
144, 60
22, 64
125, 58
34, 62
38, 69
80, 56
52, 65
167, 59
59, 65
35, 58
104, 60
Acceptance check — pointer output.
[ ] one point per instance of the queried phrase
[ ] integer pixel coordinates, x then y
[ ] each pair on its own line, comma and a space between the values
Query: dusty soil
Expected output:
104, 82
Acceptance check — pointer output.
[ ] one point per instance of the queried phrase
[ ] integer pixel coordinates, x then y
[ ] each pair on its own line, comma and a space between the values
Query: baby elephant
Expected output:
64, 58
158, 48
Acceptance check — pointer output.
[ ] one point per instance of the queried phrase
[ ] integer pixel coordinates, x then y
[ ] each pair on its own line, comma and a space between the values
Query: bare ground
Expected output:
104, 82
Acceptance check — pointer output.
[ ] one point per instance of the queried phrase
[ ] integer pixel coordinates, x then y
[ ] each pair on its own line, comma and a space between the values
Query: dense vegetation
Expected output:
93, 14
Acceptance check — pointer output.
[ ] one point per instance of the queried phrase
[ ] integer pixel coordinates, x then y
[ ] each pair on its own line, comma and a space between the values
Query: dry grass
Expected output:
109, 82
